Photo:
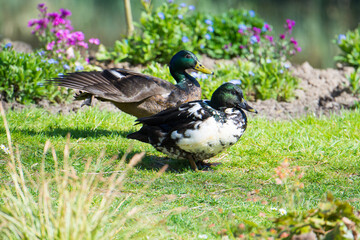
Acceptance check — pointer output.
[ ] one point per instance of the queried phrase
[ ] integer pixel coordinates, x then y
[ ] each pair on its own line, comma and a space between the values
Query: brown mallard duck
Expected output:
138, 94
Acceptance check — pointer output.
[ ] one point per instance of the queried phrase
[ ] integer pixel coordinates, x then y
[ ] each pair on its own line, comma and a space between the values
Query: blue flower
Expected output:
184, 39
208, 22
182, 5
202, 46
281, 71
66, 67
208, 36
161, 15
41, 53
40, 84
286, 65
180, 16
170, 1
79, 68
268, 60
38, 69
253, 39
8, 45
151, 41
242, 27
52, 61
340, 38
60, 74
210, 29
251, 73
235, 81
191, 7
251, 13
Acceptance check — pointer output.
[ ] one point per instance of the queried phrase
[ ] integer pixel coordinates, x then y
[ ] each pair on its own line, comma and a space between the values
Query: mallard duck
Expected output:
197, 130
135, 93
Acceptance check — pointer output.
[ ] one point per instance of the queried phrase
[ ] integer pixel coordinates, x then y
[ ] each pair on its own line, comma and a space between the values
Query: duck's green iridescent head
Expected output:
230, 95
186, 60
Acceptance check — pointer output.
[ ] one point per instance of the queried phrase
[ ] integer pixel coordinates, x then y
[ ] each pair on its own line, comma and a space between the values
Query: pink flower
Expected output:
241, 31
83, 44
53, 15
256, 30
58, 21
293, 41
42, 7
241, 46
267, 27
50, 45
63, 34
270, 38
298, 49
95, 41
289, 24
79, 36
282, 36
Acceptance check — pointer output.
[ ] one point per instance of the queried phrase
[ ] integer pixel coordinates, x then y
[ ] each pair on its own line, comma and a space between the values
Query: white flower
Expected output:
5, 149
273, 208
203, 236
282, 211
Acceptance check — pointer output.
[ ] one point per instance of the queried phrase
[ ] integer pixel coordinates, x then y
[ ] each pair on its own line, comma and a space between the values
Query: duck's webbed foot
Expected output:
201, 165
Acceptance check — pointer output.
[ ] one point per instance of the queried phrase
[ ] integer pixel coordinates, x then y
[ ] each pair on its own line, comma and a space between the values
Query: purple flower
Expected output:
253, 39
282, 36
52, 61
208, 36
79, 68
161, 15
241, 46
298, 49
58, 21
208, 22
180, 16
53, 15
50, 45
251, 13
64, 12
191, 7
340, 38
185, 39
42, 7
266, 27
242, 27
210, 29
95, 41
251, 73
32, 22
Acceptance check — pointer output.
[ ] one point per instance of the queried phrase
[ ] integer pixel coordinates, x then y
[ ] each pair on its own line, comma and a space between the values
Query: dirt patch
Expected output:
321, 91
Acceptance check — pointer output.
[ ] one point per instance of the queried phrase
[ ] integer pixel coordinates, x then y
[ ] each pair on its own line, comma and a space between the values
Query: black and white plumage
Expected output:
197, 130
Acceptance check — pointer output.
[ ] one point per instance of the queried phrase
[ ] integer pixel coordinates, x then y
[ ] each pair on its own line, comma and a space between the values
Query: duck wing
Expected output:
118, 85
185, 113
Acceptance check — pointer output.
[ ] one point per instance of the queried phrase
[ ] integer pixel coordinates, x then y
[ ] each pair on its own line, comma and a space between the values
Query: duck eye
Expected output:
188, 56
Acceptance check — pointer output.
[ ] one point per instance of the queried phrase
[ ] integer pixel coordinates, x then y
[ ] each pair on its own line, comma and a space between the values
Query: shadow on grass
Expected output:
152, 162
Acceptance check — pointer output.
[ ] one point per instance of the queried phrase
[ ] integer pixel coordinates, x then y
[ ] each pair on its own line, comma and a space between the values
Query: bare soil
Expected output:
321, 92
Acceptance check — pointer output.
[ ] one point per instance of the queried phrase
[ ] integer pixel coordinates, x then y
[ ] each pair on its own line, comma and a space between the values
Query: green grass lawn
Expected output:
188, 204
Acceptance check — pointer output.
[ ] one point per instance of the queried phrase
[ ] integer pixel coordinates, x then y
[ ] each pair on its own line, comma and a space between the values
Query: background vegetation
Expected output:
318, 21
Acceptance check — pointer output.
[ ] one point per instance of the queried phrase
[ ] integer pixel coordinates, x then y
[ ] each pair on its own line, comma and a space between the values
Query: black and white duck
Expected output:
197, 130
138, 94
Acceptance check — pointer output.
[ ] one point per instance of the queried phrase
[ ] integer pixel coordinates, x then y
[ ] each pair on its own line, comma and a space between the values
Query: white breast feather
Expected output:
209, 136
117, 74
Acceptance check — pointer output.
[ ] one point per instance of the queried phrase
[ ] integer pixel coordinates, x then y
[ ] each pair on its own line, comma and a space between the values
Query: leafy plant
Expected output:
349, 45
23, 77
